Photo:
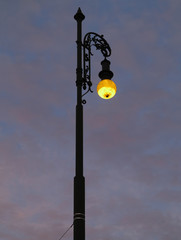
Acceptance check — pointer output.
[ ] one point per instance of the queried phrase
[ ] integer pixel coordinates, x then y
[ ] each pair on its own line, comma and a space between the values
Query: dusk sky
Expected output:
132, 142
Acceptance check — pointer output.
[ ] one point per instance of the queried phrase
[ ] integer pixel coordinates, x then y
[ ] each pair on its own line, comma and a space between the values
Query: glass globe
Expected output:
106, 89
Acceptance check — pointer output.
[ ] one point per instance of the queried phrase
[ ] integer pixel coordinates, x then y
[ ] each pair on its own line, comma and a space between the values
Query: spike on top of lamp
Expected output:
106, 88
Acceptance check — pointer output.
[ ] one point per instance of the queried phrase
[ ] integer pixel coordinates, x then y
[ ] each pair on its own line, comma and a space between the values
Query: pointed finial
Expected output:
79, 16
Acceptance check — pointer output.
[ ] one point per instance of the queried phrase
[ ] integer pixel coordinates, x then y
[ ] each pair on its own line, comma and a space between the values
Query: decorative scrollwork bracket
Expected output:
92, 39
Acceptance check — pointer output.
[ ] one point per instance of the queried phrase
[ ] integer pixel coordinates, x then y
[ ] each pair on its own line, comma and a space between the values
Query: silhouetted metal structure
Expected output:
83, 83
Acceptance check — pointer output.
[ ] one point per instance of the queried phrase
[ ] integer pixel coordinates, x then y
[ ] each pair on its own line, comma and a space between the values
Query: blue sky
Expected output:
131, 143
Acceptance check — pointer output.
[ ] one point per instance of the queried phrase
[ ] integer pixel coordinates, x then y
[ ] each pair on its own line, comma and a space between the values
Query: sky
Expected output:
132, 142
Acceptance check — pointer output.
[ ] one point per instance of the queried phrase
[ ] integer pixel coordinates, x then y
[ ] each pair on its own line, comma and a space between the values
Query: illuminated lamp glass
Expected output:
106, 89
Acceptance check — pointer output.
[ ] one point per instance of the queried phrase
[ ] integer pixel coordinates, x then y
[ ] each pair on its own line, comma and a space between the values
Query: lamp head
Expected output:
106, 88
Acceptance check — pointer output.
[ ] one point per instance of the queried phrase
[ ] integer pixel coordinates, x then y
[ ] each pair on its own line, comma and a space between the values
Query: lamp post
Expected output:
106, 89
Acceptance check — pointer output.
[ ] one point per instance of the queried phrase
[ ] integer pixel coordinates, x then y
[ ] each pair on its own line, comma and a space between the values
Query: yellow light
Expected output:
106, 89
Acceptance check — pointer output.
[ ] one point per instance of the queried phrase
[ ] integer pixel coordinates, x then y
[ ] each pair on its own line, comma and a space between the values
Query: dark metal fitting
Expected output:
79, 16
106, 73
79, 216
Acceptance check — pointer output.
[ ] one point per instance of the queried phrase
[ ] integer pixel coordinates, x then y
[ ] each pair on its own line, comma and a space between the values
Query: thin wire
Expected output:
66, 231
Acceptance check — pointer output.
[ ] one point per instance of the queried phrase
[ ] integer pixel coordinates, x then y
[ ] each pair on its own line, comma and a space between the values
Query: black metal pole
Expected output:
79, 181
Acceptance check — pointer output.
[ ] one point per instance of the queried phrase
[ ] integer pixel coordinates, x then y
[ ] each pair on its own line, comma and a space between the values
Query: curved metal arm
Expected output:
92, 39
98, 41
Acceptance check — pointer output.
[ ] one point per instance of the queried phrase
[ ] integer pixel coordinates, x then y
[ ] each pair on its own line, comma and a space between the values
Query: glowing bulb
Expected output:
106, 89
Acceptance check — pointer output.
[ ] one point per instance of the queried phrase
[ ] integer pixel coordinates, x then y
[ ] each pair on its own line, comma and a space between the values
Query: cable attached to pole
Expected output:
66, 231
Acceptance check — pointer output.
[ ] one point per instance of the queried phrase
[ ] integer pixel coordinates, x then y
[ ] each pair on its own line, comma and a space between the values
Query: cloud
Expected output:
131, 144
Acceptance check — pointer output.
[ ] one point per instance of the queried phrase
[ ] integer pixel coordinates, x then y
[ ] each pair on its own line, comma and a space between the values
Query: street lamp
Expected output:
106, 89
